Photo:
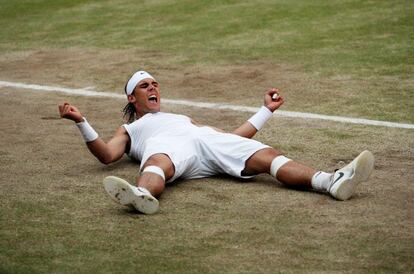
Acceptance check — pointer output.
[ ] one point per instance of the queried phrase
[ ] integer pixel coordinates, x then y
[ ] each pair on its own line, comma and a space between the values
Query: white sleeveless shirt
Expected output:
152, 125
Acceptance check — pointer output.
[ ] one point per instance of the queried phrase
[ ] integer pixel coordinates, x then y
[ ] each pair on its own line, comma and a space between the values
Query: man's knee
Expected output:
261, 161
163, 162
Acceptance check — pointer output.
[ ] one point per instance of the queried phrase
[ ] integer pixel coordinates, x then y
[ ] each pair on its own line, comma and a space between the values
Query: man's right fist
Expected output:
70, 112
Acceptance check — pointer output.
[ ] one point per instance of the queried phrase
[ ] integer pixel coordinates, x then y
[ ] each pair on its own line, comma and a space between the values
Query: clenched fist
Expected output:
273, 104
70, 112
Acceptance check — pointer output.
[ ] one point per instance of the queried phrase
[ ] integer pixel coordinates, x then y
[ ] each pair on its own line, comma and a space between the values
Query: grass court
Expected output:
345, 58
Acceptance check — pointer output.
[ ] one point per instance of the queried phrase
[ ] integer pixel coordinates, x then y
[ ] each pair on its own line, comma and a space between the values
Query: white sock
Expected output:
321, 181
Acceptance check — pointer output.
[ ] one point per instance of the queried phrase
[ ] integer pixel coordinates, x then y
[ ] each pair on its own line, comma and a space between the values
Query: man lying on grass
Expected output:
171, 146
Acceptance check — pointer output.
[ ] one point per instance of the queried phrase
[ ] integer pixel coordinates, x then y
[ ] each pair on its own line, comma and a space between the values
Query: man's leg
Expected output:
291, 173
155, 171
341, 184
151, 179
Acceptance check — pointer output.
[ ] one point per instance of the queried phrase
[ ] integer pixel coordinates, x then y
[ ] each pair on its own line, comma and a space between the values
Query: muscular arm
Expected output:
247, 129
111, 151
105, 152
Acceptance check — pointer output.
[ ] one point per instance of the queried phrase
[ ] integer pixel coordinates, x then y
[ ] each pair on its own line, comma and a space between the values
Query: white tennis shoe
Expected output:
128, 195
346, 179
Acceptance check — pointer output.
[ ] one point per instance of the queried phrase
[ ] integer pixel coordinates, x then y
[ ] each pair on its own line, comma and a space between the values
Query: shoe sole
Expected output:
121, 192
363, 166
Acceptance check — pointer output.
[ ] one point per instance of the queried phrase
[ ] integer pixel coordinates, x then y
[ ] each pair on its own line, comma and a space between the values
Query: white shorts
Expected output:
205, 153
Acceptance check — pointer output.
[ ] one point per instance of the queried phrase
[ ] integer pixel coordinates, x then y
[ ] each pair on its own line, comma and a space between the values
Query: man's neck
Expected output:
140, 115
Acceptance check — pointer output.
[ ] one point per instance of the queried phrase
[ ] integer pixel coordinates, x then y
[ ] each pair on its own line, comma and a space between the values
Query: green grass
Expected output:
357, 37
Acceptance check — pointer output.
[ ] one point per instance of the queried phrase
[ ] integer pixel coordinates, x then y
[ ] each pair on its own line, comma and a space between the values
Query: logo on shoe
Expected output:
141, 190
341, 174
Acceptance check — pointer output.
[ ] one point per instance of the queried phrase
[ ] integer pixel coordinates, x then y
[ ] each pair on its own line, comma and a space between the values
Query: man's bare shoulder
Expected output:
120, 131
121, 137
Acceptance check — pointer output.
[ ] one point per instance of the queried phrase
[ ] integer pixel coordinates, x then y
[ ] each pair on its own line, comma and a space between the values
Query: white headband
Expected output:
135, 79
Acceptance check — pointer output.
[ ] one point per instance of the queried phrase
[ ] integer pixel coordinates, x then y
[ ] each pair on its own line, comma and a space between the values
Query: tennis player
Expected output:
171, 146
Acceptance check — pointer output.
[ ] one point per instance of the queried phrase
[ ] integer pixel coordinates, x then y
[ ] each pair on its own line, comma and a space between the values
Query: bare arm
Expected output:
105, 152
111, 151
247, 129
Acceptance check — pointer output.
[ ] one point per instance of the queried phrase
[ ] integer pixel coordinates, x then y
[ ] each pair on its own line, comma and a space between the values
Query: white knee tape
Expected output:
277, 163
156, 170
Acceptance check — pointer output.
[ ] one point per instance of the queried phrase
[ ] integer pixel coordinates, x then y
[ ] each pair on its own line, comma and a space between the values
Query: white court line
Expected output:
294, 114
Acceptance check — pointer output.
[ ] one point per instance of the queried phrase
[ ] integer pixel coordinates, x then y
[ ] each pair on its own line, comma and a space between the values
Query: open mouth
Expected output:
153, 99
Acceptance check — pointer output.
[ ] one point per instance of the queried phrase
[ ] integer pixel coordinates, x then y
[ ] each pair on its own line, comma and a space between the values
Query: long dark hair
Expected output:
130, 113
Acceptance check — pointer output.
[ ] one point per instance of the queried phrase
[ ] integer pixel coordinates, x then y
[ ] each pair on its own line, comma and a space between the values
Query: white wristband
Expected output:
260, 118
88, 133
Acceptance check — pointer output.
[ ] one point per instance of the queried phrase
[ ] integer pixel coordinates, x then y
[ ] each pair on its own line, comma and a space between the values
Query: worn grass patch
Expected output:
56, 217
